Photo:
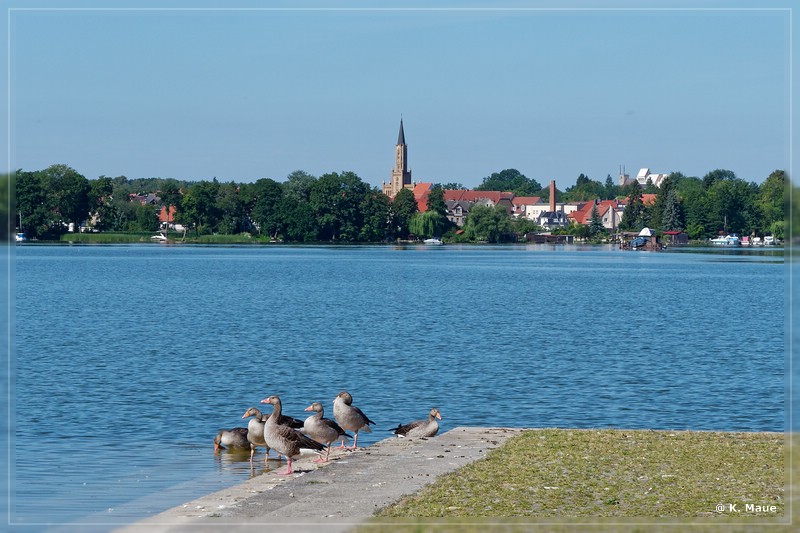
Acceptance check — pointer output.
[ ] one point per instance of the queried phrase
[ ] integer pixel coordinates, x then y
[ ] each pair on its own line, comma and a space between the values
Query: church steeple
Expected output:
401, 175
401, 138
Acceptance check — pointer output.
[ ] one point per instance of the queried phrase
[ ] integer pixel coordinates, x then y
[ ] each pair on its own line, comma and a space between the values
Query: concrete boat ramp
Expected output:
334, 496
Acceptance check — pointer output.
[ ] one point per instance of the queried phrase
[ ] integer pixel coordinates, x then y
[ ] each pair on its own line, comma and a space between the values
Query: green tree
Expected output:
70, 195
633, 216
335, 201
451, 186
231, 208
266, 195
649, 187
692, 195
437, 220
491, 224
298, 186
102, 203
672, 215
610, 190
423, 225
729, 206
199, 206
584, 190
581, 231
298, 221
772, 199
523, 226
511, 180
716, 176
146, 218
375, 213
596, 228
34, 208
403, 207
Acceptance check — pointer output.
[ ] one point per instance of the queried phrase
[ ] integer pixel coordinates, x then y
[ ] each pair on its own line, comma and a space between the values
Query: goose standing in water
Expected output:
232, 438
322, 430
283, 439
351, 418
255, 431
420, 428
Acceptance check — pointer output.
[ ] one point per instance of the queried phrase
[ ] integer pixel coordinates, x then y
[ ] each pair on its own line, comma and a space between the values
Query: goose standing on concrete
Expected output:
284, 420
348, 416
283, 439
255, 431
232, 438
420, 428
322, 430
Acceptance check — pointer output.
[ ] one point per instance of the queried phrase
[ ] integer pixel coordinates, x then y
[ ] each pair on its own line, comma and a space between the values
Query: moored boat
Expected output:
727, 240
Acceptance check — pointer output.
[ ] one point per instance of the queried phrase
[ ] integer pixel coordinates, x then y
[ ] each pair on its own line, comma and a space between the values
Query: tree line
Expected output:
340, 207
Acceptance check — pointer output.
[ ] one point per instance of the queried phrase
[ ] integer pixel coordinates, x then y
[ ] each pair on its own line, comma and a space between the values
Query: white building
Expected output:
644, 175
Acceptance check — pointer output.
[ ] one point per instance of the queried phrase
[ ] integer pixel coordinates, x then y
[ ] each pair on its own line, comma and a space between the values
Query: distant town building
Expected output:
401, 174
641, 178
609, 211
645, 175
553, 217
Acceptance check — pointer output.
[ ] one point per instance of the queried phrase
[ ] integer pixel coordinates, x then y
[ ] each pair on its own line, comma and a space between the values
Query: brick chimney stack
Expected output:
552, 196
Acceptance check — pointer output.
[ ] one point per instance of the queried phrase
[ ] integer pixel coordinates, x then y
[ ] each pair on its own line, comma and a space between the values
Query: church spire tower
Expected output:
401, 175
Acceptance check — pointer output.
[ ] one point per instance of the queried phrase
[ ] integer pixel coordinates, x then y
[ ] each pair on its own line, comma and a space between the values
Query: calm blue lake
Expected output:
128, 359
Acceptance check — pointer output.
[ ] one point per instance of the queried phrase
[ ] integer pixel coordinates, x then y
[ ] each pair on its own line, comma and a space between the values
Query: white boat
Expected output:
727, 240
769, 240
20, 237
433, 242
159, 238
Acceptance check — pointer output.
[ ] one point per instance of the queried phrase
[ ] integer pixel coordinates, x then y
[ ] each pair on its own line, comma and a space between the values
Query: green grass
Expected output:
611, 475
106, 238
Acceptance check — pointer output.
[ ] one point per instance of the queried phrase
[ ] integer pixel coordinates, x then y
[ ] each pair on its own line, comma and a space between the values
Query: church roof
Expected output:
401, 138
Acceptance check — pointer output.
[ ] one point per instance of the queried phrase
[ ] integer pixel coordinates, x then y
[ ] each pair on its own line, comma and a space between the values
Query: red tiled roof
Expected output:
162, 215
582, 215
648, 199
526, 200
421, 191
474, 196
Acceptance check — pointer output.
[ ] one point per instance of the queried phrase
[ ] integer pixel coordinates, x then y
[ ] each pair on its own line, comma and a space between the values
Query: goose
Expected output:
232, 438
255, 431
420, 428
351, 418
322, 430
283, 439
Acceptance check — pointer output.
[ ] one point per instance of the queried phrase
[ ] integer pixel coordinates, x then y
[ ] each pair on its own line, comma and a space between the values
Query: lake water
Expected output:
128, 359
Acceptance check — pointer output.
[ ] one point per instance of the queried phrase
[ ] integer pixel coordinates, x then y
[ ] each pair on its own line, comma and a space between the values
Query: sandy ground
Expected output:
330, 497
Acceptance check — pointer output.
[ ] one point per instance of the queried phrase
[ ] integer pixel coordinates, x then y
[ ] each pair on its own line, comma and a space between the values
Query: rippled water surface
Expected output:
130, 358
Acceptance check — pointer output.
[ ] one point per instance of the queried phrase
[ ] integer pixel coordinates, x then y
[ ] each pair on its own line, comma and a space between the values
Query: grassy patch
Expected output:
106, 238
612, 473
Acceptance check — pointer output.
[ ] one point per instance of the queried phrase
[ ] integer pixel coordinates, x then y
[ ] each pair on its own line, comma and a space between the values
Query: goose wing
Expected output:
403, 429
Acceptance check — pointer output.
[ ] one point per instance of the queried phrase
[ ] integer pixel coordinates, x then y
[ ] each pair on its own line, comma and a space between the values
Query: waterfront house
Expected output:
609, 211
521, 203
675, 237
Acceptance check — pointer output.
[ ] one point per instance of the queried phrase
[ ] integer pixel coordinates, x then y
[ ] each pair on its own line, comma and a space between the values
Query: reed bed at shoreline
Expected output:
603, 476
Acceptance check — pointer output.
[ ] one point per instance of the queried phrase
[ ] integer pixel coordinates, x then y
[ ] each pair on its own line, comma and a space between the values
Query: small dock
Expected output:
333, 497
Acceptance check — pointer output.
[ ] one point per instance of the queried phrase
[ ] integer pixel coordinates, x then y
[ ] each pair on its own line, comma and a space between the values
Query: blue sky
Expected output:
246, 94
